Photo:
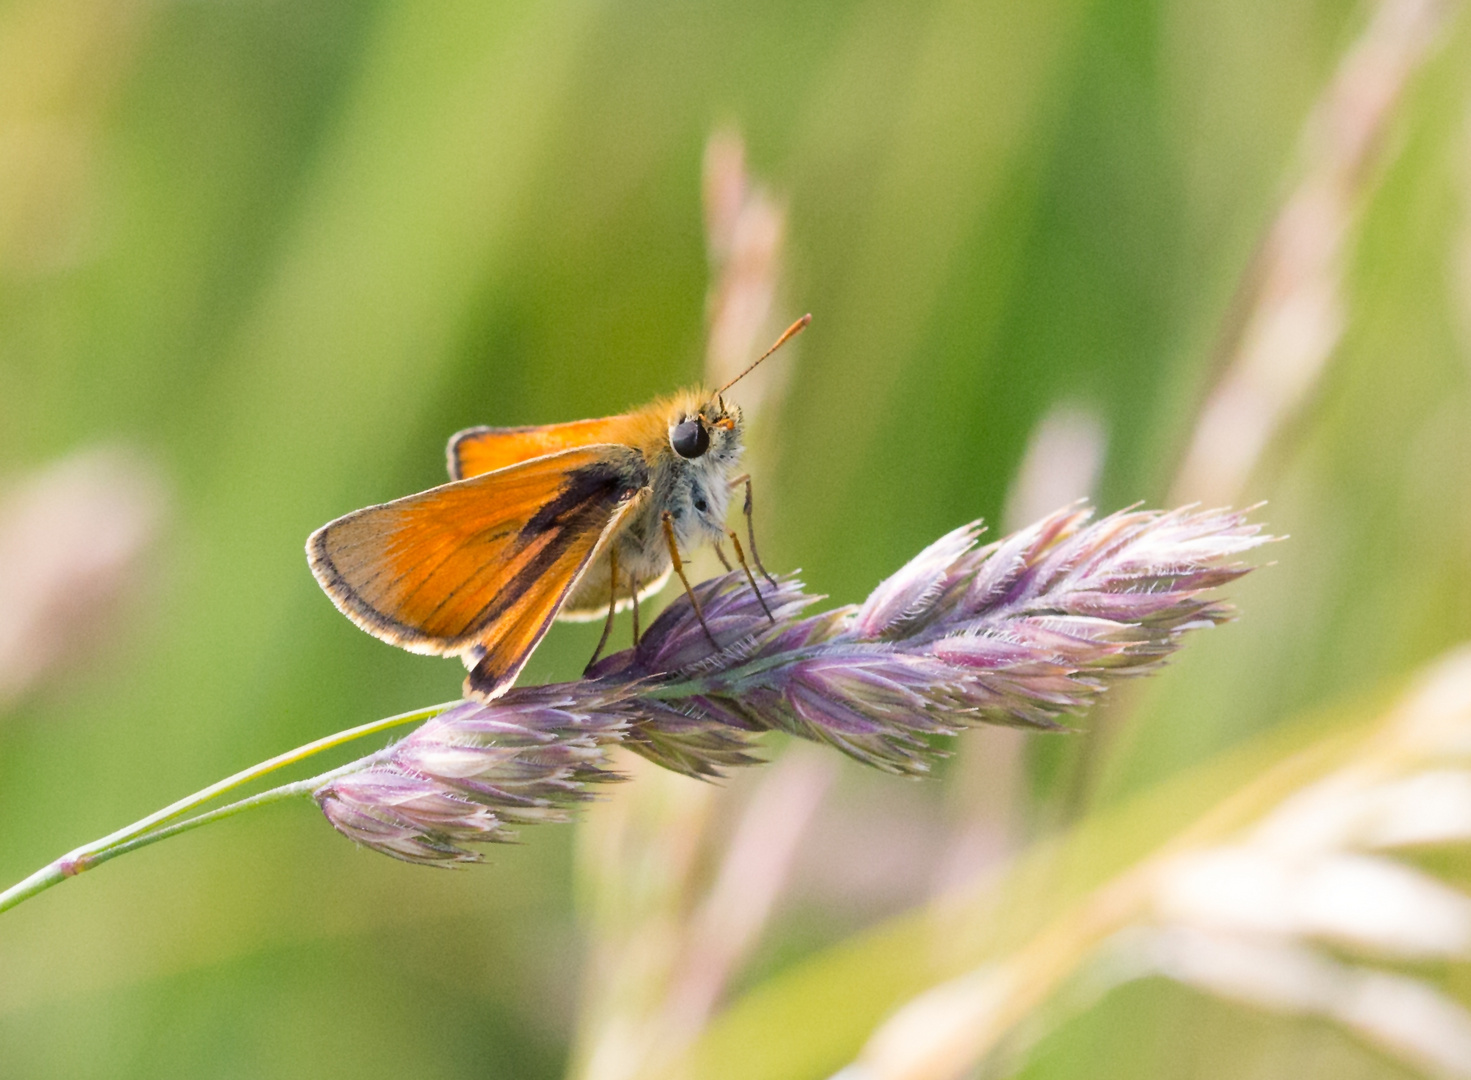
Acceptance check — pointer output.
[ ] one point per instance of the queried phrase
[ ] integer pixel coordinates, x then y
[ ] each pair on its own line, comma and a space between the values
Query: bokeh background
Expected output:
258, 259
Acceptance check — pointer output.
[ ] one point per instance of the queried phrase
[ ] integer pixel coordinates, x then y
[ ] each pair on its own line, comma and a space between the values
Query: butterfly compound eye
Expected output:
690, 439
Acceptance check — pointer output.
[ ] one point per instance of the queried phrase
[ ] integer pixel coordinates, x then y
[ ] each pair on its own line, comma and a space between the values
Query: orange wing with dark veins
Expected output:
481, 565
479, 450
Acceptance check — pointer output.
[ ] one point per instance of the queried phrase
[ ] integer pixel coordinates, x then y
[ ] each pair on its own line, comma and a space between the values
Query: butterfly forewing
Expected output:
486, 561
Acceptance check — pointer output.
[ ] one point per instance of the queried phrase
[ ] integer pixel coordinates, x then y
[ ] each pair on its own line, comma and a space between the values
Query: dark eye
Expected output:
690, 439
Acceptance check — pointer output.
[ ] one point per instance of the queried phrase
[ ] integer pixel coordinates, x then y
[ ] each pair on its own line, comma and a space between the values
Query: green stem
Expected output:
147, 830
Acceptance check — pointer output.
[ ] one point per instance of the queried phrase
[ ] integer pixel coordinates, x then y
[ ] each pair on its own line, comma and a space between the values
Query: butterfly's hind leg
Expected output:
612, 607
668, 521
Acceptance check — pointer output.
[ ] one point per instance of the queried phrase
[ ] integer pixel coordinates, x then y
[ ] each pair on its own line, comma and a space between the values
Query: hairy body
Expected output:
694, 491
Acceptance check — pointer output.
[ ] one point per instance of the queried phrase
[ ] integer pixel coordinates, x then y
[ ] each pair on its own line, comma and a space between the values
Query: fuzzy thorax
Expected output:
695, 491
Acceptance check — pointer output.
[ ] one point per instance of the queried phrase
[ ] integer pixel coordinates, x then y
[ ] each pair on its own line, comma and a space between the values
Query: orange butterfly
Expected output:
539, 523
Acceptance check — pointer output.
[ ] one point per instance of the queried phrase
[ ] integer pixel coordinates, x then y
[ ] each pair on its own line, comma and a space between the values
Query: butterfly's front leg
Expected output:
667, 520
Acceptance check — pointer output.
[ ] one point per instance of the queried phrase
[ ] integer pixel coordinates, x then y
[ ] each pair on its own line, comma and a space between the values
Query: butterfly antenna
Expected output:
786, 336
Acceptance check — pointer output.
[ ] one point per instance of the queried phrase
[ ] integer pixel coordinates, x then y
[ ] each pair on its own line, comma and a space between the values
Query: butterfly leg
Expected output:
668, 521
741, 558
720, 554
751, 528
612, 606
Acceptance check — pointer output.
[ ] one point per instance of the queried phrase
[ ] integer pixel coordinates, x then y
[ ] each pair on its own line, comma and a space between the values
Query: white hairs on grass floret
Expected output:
1022, 632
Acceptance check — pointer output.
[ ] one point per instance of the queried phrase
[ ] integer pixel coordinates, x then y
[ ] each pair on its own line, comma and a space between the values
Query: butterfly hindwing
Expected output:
481, 564
479, 450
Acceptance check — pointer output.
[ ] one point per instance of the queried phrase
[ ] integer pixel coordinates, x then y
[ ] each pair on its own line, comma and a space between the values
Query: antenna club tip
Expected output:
787, 334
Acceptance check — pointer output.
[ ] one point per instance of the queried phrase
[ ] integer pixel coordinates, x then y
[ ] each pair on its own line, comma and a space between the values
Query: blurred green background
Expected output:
282, 250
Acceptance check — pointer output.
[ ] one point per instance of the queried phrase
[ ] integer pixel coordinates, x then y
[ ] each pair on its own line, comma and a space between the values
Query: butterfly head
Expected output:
714, 428
692, 466
711, 429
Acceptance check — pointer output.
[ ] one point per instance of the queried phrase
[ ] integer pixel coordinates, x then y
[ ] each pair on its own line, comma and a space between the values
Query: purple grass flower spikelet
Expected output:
1023, 631
473, 772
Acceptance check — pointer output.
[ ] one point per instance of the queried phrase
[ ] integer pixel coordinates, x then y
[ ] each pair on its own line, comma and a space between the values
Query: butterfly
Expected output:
538, 523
